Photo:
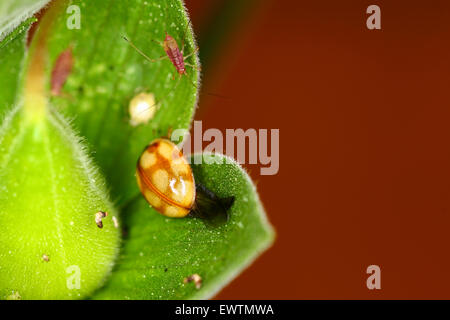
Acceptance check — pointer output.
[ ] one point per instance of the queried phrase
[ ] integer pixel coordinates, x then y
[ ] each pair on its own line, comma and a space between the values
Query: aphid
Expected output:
142, 108
166, 181
194, 278
176, 57
98, 218
61, 70
173, 53
46, 258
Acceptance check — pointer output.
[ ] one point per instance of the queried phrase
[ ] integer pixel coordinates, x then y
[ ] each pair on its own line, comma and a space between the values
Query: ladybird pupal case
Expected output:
165, 179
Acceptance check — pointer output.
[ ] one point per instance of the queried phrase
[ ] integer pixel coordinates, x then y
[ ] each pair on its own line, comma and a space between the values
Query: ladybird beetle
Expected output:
165, 179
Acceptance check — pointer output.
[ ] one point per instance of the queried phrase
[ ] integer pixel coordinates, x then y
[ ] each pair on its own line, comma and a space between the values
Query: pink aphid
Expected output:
173, 53
61, 70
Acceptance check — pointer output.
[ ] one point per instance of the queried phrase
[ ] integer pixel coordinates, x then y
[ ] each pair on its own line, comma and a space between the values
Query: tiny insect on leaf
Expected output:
61, 70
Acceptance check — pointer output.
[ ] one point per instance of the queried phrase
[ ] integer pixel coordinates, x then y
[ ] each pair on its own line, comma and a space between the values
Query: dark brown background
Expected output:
364, 143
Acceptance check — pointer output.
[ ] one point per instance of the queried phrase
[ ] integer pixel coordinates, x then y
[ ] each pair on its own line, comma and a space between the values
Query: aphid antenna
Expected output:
141, 52
165, 57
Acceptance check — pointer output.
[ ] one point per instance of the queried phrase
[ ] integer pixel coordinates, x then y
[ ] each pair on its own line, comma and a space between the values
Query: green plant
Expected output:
50, 190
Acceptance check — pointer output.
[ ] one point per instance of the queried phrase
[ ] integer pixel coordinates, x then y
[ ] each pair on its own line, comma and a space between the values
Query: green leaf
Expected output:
160, 253
11, 56
14, 12
49, 195
108, 73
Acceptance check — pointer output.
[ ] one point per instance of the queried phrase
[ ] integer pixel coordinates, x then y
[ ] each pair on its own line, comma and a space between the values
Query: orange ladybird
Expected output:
165, 179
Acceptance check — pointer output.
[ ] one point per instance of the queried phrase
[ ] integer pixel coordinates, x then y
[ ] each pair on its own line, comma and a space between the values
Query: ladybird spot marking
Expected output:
148, 159
179, 167
152, 198
160, 179
166, 151
189, 194
175, 212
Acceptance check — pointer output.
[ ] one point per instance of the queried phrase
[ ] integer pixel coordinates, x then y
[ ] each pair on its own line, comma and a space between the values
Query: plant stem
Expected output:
35, 93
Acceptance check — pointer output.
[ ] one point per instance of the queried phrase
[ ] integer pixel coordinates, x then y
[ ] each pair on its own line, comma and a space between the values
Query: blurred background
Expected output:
364, 132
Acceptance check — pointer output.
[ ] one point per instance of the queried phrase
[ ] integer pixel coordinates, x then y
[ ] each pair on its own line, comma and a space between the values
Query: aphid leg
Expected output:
192, 53
194, 67
158, 42
198, 68
142, 53
182, 39
184, 36
163, 57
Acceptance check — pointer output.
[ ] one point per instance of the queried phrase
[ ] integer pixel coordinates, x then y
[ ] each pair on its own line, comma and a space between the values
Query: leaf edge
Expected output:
238, 267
